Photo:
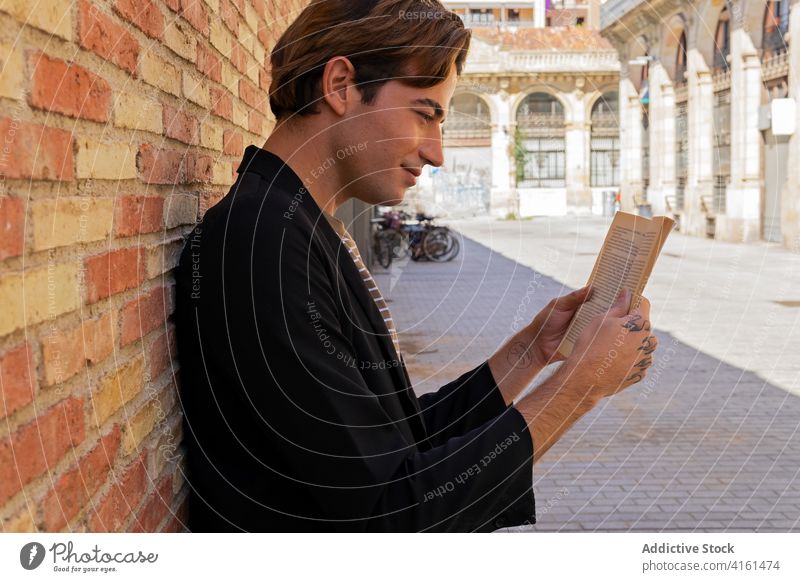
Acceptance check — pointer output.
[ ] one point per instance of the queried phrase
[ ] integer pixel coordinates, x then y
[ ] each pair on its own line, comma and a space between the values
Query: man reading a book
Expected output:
299, 412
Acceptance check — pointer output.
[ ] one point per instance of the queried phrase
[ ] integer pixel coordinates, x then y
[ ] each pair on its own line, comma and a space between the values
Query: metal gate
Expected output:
545, 163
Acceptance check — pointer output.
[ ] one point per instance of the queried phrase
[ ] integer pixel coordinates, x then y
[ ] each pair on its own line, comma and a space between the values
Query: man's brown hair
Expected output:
412, 41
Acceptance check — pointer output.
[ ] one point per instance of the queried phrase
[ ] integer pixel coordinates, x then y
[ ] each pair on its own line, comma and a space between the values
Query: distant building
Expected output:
708, 113
533, 125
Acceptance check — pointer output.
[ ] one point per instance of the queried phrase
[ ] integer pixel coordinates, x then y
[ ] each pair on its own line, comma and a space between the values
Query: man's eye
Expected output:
425, 116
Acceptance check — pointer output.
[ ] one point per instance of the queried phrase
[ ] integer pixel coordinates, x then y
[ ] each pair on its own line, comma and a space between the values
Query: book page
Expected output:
626, 259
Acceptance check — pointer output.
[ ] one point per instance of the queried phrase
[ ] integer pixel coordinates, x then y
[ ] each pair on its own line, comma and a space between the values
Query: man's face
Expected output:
388, 142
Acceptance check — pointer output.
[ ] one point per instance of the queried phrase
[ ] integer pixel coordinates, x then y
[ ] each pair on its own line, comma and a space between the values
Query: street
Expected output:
707, 442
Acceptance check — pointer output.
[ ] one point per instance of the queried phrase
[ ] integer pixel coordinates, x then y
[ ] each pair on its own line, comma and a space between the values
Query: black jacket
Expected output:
298, 415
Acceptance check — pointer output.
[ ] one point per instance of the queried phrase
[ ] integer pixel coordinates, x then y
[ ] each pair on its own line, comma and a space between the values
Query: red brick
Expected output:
122, 499
156, 508
143, 14
35, 151
195, 13
264, 79
221, 103
162, 351
208, 63
251, 95
239, 5
174, 5
113, 272
39, 445
160, 166
265, 36
199, 169
260, 9
138, 215
74, 488
229, 16
180, 125
68, 89
100, 34
232, 142
12, 222
66, 352
255, 122
239, 58
17, 384
173, 167
145, 313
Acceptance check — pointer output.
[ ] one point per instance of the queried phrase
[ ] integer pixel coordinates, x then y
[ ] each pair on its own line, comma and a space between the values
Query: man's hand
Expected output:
615, 350
550, 325
522, 357
612, 353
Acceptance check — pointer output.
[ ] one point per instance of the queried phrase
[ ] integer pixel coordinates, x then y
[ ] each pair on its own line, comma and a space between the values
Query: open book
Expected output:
629, 252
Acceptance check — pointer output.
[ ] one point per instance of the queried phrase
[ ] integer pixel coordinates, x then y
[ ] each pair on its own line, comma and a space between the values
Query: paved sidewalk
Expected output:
708, 442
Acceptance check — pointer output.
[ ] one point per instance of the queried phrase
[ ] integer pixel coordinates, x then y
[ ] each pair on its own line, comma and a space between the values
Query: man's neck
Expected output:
306, 156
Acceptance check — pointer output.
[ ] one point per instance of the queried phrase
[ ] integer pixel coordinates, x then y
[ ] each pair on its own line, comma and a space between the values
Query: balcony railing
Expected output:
775, 66
605, 124
545, 61
533, 121
478, 20
467, 128
721, 79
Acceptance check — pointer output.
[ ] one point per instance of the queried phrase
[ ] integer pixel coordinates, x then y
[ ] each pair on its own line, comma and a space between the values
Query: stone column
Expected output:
579, 194
662, 139
790, 200
700, 179
502, 195
742, 218
539, 13
630, 144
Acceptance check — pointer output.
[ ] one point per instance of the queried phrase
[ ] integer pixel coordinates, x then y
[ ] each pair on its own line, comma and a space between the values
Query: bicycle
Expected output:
432, 242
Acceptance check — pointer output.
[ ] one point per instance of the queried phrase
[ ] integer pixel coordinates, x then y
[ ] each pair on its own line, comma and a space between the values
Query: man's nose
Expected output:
431, 150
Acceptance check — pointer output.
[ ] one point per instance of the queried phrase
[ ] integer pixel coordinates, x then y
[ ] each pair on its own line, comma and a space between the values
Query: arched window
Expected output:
468, 117
539, 142
775, 27
605, 141
722, 41
680, 61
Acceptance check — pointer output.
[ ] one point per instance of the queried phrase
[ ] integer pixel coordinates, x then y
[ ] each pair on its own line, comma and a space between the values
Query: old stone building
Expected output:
533, 125
707, 113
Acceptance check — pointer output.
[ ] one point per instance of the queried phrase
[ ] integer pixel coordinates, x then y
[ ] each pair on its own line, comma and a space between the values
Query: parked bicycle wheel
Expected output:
398, 244
382, 249
440, 245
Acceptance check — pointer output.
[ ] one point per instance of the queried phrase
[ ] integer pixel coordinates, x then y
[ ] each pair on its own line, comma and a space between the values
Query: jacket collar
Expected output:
271, 167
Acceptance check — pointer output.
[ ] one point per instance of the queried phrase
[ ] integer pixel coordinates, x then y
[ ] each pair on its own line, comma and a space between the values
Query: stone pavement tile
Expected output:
700, 444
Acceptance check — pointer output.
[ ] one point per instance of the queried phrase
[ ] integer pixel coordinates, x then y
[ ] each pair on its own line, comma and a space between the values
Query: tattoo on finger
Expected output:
648, 344
636, 323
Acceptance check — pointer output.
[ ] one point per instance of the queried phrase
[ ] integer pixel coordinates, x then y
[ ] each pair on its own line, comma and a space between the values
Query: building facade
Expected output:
707, 113
533, 125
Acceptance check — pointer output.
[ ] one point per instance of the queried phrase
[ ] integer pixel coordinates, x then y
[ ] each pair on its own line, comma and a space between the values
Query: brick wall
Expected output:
121, 121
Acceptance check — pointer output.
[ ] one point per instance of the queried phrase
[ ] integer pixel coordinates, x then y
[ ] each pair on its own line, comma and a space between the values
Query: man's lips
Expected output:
414, 171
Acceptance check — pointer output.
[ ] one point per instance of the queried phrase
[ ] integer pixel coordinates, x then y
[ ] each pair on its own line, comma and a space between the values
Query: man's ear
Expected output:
338, 84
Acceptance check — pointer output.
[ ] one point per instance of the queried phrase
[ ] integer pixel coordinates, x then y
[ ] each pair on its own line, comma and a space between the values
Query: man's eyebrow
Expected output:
437, 108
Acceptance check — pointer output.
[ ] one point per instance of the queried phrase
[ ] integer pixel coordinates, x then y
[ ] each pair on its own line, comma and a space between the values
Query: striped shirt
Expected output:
369, 282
